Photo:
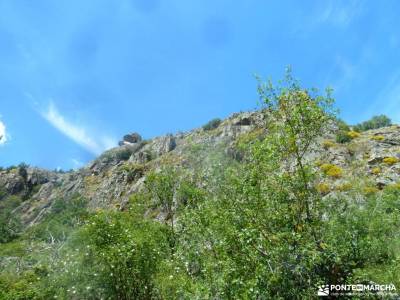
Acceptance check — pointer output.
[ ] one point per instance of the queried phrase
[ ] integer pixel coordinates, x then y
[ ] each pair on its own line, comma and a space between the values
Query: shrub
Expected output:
368, 190
344, 187
342, 137
65, 215
214, 123
23, 170
393, 187
378, 138
125, 253
374, 123
332, 170
390, 160
328, 144
162, 187
323, 188
376, 171
353, 134
10, 223
189, 195
133, 171
123, 154
342, 125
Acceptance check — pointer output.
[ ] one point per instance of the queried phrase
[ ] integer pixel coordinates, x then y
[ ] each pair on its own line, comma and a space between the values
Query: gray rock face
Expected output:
38, 176
110, 180
164, 144
12, 182
15, 181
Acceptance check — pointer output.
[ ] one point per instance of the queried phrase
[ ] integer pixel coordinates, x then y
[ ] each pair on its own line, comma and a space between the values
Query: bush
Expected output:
353, 134
323, 188
123, 154
378, 138
133, 171
332, 170
374, 123
10, 223
370, 190
344, 187
328, 144
124, 252
342, 137
390, 160
65, 215
214, 123
23, 170
376, 171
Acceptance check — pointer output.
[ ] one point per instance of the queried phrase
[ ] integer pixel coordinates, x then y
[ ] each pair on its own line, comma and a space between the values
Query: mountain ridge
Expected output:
110, 179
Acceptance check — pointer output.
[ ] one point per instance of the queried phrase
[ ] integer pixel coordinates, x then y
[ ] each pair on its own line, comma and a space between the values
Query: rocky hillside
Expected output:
109, 180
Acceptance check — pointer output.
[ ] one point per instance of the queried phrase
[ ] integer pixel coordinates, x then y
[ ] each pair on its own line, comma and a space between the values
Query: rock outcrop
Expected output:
132, 138
109, 180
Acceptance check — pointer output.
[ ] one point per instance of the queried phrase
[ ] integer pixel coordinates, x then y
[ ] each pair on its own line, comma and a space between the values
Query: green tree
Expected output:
162, 187
269, 233
374, 123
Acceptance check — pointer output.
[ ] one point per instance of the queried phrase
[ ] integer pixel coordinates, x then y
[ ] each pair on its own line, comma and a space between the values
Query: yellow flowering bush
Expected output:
332, 170
353, 134
378, 138
390, 160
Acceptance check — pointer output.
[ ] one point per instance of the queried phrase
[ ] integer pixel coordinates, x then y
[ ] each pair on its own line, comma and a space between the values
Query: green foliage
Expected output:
133, 171
341, 136
374, 123
65, 215
119, 154
162, 186
269, 233
10, 224
23, 170
264, 228
212, 124
355, 236
125, 254
189, 195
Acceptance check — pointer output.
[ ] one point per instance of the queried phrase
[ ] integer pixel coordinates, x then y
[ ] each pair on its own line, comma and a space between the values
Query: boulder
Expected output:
131, 138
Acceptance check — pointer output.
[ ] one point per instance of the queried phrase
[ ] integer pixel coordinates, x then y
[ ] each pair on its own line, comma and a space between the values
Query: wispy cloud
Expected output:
339, 13
77, 133
3, 133
335, 13
347, 72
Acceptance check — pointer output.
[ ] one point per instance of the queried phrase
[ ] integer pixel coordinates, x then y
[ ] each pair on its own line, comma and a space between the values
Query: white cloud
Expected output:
3, 133
94, 143
347, 71
339, 13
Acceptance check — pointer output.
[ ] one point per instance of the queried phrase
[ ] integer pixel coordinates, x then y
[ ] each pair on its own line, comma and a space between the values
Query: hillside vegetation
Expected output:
268, 204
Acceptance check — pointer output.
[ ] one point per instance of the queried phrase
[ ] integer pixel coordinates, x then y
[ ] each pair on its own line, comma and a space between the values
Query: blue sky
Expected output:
77, 75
